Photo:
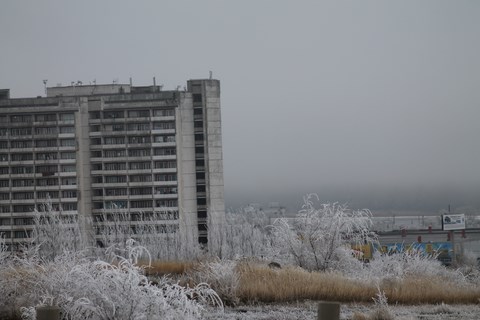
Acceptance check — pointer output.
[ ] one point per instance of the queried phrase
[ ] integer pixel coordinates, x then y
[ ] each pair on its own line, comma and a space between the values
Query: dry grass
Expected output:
259, 283
432, 291
262, 284
160, 268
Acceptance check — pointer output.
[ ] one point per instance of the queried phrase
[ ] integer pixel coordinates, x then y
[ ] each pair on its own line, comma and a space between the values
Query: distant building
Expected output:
102, 149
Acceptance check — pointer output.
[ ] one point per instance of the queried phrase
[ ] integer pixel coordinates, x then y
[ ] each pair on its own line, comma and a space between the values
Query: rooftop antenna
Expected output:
211, 74
130, 81
45, 85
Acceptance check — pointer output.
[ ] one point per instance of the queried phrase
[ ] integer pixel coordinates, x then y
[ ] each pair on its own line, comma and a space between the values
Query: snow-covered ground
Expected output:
308, 310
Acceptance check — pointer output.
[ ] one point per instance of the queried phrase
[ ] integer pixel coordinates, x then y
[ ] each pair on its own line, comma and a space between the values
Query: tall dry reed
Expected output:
261, 284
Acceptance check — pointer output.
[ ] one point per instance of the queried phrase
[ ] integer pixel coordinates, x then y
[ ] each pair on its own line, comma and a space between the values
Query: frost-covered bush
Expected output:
320, 239
54, 232
396, 267
244, 234
86, 288
221, 275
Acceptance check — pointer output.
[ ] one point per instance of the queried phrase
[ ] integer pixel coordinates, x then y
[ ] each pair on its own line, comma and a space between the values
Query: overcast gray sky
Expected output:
372, 102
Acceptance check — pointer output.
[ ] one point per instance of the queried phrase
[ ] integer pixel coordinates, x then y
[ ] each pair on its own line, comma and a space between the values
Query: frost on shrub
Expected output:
55, 232
163, 242
86, 288
221, 275
318, 239
244, 234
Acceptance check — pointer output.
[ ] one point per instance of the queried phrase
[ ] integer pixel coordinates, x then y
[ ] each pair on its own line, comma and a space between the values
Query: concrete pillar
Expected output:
328, 310
48, 313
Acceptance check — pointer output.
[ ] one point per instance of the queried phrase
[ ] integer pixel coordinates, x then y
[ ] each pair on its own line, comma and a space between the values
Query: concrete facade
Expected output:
101, 150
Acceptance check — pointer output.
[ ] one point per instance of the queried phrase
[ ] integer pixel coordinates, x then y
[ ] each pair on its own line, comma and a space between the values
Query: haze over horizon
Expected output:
372, 103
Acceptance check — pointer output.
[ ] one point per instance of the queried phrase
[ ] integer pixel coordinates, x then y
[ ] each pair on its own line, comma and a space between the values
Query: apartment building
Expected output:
101, 150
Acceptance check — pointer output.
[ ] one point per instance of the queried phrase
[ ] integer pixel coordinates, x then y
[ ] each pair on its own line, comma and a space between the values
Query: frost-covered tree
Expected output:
154, 231
56, 232
244, 234
320, 239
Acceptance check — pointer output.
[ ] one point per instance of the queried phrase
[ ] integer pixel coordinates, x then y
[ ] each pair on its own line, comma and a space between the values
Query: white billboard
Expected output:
453, 221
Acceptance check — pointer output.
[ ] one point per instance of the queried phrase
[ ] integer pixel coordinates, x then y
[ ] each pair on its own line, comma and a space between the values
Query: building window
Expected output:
69, 181
164, 112
140, 178
69, 194
4, 183
47, 194
139, 165
46, 169
23, 183
164, 125
96, 141
114, 140
138, 126
96, 154
166, 190
46, 156
115, 192
46, 117
4, 170
67, 129
67, 142
22, 156
45, 130
67, 117
69, 155
139, 152
3, 157
4, 196
140, 191
139, 139
69, 206
94, 114
46, 143
166, 203
22, 234
69, 168
21, 131
138, 113
118, 204
115, 166
197, 97
165, 164
201, 189
164, 151
113, 114
115, 153
165, 177
47, 182
97, 166
141, 204
164, 139
23, 195
22, 144
115, 179
22, 170
4, 145
20, 118
23, 208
